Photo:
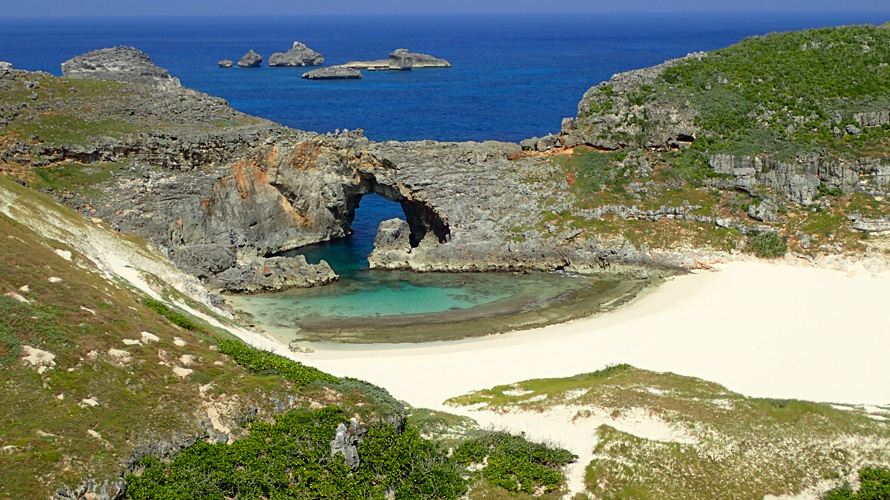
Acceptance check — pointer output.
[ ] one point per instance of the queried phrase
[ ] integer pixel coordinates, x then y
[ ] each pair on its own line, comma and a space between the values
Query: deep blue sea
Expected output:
513, 77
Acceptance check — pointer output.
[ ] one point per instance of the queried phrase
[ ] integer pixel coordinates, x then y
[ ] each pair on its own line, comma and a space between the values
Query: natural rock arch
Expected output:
422, 219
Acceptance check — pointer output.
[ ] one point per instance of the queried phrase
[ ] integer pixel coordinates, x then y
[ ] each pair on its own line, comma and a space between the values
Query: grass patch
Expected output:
22, 324
259, 361
768, 245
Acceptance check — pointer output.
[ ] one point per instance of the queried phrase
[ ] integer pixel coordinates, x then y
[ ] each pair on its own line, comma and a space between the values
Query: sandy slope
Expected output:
772, 330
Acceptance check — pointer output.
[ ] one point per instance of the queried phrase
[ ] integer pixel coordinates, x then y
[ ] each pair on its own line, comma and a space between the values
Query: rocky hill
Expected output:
114, 356
693, 160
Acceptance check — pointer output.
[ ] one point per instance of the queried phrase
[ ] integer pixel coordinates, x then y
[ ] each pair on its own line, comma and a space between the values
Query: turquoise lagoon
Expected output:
402, 306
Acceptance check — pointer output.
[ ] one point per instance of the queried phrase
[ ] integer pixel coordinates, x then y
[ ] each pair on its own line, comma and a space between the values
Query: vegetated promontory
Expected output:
777, 144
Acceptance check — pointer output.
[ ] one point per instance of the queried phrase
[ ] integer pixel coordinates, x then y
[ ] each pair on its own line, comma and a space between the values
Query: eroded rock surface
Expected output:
333, 73
299, 55
122, 64
250, 60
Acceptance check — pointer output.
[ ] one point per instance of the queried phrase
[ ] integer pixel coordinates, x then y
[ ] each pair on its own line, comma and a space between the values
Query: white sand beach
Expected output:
760, 329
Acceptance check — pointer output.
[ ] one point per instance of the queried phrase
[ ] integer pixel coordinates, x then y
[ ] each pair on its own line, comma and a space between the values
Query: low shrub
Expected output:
768, 245
259, 361
515, 463
174, 317
292, 458
874, 485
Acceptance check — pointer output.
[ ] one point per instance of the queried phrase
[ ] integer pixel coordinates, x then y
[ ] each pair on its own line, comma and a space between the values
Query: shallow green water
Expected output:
403, 306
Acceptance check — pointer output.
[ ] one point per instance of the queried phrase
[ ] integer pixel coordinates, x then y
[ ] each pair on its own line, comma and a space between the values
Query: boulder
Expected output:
226, 63
272, 274
299, 55
392, 245
250, 60
346, 442
333, 73
568, 125
529, 144
121, 64
547, 142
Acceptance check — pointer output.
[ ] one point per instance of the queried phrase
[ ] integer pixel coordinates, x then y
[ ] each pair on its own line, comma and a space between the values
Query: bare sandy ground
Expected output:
761, 329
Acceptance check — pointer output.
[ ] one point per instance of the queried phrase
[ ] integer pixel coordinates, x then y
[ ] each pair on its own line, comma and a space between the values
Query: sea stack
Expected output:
299, 55
121, 64
226, 63
250, 60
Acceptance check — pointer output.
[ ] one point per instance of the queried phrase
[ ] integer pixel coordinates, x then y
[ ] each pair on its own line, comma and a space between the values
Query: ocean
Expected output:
513, 77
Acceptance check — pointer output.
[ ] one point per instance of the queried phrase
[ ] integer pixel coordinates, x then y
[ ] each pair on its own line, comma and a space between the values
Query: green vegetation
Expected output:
768, 245
786, 93
174, 317
25, 324
874, 485
292, 458
73, 176
259, 361
514, 463
714, 443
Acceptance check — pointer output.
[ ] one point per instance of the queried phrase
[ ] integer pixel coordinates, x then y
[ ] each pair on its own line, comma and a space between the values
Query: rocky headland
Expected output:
637, 180
122, 64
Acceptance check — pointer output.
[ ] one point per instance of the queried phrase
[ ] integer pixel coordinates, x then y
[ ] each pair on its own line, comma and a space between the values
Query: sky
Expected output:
94, 8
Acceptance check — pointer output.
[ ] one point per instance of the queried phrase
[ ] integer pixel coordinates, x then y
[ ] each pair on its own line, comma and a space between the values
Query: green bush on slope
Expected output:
292, 458
514, 463
257, 360
874, 485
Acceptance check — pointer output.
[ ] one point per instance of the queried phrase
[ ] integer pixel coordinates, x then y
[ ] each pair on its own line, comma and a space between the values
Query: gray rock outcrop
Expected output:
392, 245
299, 55
272, 274
333, 73
250, 60
799, 180
122, 64
345, 443
400, 59
609, 118
226, 63
93, 490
